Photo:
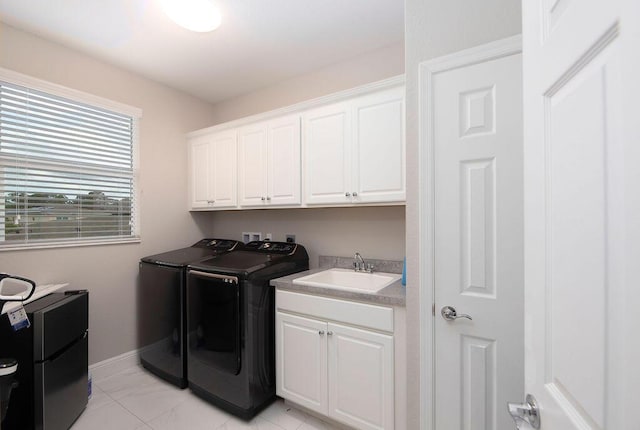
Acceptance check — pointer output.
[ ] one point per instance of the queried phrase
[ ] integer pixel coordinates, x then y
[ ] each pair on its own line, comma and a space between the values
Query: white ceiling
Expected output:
260, 42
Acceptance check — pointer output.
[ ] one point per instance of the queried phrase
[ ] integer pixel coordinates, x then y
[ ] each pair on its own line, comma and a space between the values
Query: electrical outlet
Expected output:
249, 236
291, 238
268, 236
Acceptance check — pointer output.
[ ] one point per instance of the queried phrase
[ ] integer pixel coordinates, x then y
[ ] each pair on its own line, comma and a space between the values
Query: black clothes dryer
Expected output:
162, 309
231, 324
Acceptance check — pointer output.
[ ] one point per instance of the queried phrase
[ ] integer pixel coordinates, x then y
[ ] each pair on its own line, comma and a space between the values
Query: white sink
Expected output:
347, 279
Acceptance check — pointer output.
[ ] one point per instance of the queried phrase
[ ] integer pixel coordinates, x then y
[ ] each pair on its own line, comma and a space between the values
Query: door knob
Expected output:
449, 313
526, 412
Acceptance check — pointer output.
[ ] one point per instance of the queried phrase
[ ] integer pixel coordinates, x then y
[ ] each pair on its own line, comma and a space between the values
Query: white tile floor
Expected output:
134, 399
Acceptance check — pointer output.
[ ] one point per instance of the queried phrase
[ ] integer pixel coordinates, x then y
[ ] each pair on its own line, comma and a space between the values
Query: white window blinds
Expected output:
66, 170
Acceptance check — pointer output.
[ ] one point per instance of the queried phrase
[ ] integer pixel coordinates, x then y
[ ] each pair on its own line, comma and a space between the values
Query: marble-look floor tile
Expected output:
98, 399
256, 423
122, 383
313, 423
152, 400
111, 416
283, 415
192, 414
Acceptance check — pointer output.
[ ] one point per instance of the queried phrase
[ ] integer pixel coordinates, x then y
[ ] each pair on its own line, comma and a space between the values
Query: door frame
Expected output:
426, 204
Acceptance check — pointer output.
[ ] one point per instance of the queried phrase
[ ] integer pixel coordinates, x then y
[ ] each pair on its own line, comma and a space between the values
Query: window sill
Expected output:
69, 244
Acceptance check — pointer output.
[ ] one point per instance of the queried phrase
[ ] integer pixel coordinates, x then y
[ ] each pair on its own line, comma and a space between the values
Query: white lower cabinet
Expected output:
301, 358
360, 377
333, 368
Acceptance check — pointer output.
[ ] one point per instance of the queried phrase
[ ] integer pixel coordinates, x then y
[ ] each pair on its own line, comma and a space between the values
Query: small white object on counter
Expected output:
41, 291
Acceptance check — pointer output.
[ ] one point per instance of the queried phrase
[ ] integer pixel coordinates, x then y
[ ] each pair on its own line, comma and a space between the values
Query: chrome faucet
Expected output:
359, 264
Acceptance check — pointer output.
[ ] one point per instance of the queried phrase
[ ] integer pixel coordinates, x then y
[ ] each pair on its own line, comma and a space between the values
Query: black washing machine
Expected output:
231, 324
162, 309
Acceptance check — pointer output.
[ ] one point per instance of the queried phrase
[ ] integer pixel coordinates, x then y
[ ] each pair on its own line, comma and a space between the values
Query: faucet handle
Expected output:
369, 267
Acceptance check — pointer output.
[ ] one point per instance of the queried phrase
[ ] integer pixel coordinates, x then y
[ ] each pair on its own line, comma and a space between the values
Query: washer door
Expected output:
214, 321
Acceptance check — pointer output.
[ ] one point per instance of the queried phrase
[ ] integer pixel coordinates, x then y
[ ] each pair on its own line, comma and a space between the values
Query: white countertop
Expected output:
41, 291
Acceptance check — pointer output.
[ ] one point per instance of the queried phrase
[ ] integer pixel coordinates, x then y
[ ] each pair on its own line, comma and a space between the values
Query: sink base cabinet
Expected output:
337, 370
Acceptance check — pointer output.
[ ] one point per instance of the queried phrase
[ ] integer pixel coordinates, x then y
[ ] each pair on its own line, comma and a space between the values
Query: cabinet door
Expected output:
301, 357
252, 166
379, 147
200, 160
361, 391
283, 163
224, 165
327, 155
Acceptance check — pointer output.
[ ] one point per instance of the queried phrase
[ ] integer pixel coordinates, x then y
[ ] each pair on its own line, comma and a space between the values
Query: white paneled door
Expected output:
582, 212
476, 126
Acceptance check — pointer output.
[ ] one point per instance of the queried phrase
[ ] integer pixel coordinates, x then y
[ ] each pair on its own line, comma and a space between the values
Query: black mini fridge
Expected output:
52, 357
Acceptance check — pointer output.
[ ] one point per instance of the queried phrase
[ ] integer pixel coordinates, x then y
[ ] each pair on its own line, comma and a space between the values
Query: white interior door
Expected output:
581, 210
477, 136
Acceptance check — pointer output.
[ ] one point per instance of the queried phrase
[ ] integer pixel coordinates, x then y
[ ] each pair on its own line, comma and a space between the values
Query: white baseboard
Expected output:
110, 366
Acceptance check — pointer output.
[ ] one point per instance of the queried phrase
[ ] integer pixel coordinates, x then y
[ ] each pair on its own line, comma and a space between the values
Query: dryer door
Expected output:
213, 322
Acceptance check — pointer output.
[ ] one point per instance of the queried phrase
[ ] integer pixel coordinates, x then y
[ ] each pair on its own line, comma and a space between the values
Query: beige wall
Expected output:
434, 28
375, 232
370, 67
109, 272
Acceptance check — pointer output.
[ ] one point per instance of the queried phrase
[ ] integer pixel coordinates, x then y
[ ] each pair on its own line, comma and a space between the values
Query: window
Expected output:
67, 168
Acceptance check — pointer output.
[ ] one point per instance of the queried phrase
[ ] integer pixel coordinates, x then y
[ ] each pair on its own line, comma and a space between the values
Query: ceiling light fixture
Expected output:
195, 15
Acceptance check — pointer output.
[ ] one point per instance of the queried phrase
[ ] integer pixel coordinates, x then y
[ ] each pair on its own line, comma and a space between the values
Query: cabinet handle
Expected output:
262, 198
347, 194
321, 332
268, 198
355, 194
329, 333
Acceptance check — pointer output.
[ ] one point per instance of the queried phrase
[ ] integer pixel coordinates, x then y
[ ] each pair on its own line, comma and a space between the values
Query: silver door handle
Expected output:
527, 412
449, 313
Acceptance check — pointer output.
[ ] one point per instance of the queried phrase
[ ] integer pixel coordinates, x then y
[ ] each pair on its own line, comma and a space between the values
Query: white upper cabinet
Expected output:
344, 149
354, 151
269, 163
213, 171
378, 153
327, 154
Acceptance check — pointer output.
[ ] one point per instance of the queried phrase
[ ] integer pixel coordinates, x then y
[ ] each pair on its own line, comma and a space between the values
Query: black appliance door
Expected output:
161, 328
213, 323
63, 381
